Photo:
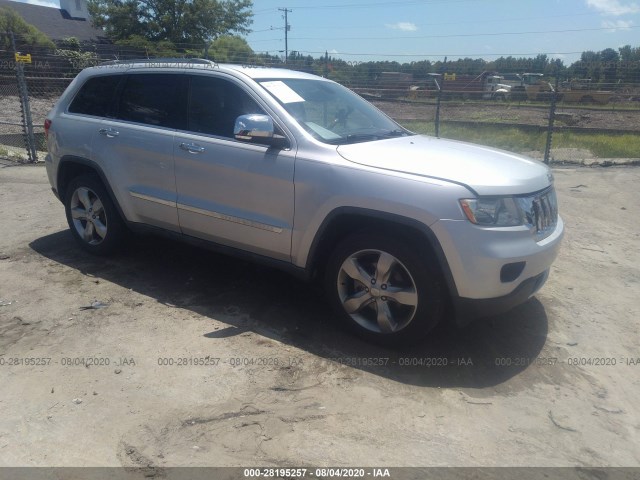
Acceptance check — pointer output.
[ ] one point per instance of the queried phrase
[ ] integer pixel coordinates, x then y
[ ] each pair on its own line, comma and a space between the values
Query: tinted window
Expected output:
215, 103
152, 98
96, 96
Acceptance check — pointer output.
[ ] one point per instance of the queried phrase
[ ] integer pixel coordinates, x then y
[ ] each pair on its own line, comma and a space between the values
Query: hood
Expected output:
485, 170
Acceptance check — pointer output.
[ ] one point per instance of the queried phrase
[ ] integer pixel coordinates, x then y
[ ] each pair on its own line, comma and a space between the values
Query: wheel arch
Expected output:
344, 221
71, 167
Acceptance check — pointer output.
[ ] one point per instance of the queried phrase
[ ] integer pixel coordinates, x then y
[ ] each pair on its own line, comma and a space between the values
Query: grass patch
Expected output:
601, 145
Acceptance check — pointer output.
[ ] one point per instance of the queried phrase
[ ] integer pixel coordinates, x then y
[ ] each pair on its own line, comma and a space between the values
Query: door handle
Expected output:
192, 147
109, 132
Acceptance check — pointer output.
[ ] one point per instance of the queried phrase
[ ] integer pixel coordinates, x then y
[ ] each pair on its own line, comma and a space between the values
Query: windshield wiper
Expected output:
396, 133
364, 137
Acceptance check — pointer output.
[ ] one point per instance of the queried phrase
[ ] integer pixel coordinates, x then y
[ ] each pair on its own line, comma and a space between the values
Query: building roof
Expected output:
55, 22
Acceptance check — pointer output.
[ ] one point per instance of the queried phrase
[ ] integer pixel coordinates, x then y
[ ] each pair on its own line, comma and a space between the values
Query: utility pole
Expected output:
287, 27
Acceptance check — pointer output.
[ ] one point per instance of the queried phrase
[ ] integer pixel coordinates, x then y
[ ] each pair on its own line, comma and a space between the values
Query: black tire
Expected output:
97, 226
393, 306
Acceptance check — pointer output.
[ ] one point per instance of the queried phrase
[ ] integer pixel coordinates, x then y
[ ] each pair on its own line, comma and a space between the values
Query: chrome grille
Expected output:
541, 212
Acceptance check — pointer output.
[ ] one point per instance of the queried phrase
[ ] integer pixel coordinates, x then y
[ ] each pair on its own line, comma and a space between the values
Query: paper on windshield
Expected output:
282, 92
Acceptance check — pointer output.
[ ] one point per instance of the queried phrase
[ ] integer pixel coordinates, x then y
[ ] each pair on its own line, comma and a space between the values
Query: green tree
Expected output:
25, 33
230, 49
609, 68
177, 21
629, 71
135, 44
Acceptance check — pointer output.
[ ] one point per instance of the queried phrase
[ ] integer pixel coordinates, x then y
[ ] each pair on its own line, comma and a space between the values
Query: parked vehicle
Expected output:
301, 173
530, 86
487, 86
535, 87
583, 91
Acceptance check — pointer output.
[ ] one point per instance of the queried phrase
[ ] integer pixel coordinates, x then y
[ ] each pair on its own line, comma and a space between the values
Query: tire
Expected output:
382, 289
92, 217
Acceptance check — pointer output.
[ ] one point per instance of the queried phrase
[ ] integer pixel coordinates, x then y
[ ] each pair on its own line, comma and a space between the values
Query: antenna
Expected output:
287, 27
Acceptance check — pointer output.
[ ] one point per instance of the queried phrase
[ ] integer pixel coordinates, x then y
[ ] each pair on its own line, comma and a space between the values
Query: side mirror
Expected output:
257, 128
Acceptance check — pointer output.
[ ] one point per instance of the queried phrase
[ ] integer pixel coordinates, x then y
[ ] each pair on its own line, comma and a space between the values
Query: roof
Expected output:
254, 72
55, 22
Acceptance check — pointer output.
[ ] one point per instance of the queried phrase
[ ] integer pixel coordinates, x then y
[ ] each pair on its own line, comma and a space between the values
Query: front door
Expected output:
231, 192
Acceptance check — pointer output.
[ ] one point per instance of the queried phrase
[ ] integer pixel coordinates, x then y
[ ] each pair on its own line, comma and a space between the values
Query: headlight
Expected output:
492, 211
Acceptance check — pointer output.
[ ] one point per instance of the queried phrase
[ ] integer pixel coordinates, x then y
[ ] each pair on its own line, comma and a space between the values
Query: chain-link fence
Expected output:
541, 110
550, 117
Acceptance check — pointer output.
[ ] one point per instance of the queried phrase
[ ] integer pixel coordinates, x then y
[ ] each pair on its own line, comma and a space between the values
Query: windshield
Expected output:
332, 113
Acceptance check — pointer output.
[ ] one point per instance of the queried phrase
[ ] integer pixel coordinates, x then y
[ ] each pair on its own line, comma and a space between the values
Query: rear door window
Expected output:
154, 99
96, 96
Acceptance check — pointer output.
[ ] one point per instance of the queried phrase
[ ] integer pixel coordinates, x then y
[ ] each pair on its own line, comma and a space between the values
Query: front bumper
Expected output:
494, 269
468, 309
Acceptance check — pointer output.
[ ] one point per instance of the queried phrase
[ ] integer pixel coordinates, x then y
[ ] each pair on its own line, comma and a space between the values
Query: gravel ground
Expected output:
192, 358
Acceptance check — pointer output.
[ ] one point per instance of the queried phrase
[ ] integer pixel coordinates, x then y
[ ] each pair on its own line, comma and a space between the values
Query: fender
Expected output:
423, 229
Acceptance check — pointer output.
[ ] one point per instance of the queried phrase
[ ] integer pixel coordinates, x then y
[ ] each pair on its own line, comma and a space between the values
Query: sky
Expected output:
412, 30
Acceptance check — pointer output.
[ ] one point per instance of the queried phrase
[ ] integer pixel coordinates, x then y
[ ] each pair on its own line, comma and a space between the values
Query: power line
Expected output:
495, 20
438, 55
490, 34
442, 55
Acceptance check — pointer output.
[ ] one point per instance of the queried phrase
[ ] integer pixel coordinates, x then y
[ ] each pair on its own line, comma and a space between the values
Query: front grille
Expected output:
541, 212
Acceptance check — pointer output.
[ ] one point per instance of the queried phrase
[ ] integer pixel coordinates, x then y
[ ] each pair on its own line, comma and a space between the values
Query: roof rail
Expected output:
197, 61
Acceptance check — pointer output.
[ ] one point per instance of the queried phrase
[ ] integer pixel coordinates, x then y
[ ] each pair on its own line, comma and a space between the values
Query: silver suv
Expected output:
301, 173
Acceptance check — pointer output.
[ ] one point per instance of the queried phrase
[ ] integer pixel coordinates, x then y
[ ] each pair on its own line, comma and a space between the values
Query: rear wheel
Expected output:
92, 216
383, 289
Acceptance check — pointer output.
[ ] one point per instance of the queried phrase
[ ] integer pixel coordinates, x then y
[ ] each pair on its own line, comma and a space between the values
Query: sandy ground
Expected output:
199, 359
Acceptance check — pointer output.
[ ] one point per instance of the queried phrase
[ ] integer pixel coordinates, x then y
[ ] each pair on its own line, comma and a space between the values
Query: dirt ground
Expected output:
197, 359
567, 115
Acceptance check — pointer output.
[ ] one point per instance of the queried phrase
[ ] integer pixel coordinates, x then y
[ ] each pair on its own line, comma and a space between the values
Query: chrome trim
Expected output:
153, 199
229, 218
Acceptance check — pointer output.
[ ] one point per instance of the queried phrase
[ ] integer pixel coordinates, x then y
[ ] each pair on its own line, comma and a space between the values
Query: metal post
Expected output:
552, 116
27, 122
438, 108
326, 64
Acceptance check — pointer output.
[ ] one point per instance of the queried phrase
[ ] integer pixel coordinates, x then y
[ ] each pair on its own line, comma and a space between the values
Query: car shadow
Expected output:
273, 304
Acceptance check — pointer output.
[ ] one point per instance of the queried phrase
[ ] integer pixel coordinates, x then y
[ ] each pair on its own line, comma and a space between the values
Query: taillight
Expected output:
47, 125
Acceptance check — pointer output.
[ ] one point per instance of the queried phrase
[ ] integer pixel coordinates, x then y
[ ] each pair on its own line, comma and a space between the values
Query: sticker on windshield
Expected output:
282, 92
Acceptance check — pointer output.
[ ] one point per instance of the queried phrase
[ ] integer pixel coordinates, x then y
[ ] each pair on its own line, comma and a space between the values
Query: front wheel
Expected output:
92, 216
384, 289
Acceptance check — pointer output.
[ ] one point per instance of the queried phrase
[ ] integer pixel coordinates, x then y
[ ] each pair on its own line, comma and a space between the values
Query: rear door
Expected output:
231, 192
135, 146
75, 129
